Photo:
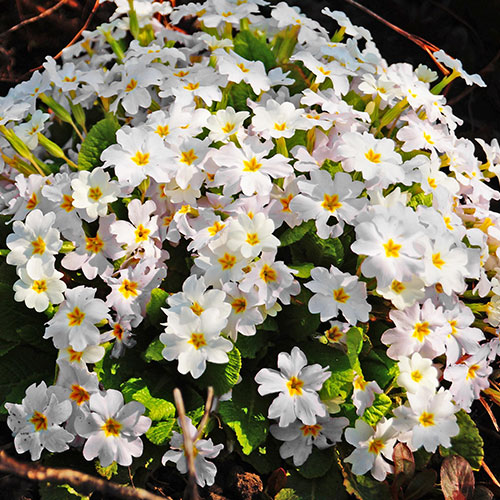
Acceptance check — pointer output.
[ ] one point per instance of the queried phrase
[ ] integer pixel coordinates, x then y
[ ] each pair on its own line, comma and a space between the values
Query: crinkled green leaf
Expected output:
304, 270
364, 487
238, 96
286, 494
293, 234
253, 345
153, 351
317, 464
106, 472
378, 366
327, 487
161, 432
420, 199
248, 46
246, 414
354, 341
332, 167
154, 307
381, 405
312, 248
100, 136
137, 390
59, 492
468, 443
222, 377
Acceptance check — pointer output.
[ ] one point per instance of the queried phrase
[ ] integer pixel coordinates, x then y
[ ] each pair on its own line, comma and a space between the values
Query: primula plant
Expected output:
261, 207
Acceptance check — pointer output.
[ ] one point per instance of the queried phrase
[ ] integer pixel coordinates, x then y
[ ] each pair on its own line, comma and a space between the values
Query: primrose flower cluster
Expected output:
280, 195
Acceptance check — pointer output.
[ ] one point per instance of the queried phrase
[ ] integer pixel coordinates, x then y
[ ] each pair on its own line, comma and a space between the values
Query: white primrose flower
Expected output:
225, 123
36, 423
193, 340
39, 285
93, 191
336, 291
28, 131
74, 323
76, 382
90, 355
297, 385
416, 372
427, 420
122, 335
299, 438
112, 429
202, 449
455, 65
372, 445
36, 240
363, 393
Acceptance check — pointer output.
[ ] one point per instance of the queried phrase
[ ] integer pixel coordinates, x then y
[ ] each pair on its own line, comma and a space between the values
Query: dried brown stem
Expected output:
76, 479
30, 20
206, 415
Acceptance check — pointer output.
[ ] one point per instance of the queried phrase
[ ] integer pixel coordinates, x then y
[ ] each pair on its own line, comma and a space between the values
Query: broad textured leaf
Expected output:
404, 462
247, 45
421, 485
246, 414
317, 464
468, 443
381, 405
161, 432
304, 270
254, 345
377, 366
238, 96
100, 136
286, 494
457, 479
294, 234
222, 377
420, 199
354, 341
364, 487
58, 492
153, 309
153, 352
324, 488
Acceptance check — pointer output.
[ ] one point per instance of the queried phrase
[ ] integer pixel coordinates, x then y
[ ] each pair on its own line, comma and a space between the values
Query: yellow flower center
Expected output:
372, 156
111, 427
376, 446
39, 420
416, 376
437, 260
421, 330
426, 419
188, 157
333, 334
192, 86
131, 85
67, 203
453, 324
95, 193
359, 383
252, 239
78, 394
75, 317
471, 372
228, 127
181, 74
140, 158
94, 244
213, 230
285, 202
280, 126
162, 130
432, 182
239, 305
118, 331
196, 308
32, 202
39, 286
74, 356
129, 288
295, 386
391, 249
268, 274
197, 340
331, 203
251, 165
340, 296
38, 246
428, 138
322, 70
243, 68
227, 261
397, 286
141, 233
311, 430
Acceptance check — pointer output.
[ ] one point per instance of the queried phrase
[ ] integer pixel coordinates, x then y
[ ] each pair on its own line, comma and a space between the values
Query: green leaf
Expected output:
332, 167
247, 45
106, 472
161, 432
246, 414
296, 320
253, 345
304, 270
293, 234
468, 443
323, 488
153, 352
137, 390
100, 136
381, 405
354, 341
154, 307
420, 199
286, 494
238, 95
58, 492
364, 487
355, 101
317, 464
222, 377
378, 366
312, 248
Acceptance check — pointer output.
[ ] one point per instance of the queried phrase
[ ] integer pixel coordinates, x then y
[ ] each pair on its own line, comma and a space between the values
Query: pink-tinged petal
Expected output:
93, 446
271, 381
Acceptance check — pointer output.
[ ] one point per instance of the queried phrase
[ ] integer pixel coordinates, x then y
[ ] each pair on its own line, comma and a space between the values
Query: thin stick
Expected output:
30, 20
492, 476
192, 488
206, 415
76, 479
429, 47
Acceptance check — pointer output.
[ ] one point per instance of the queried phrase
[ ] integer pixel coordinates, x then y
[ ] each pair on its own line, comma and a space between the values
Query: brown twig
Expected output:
429, 47
30, 20
492, 476
192, 488
76, 479
206, 415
